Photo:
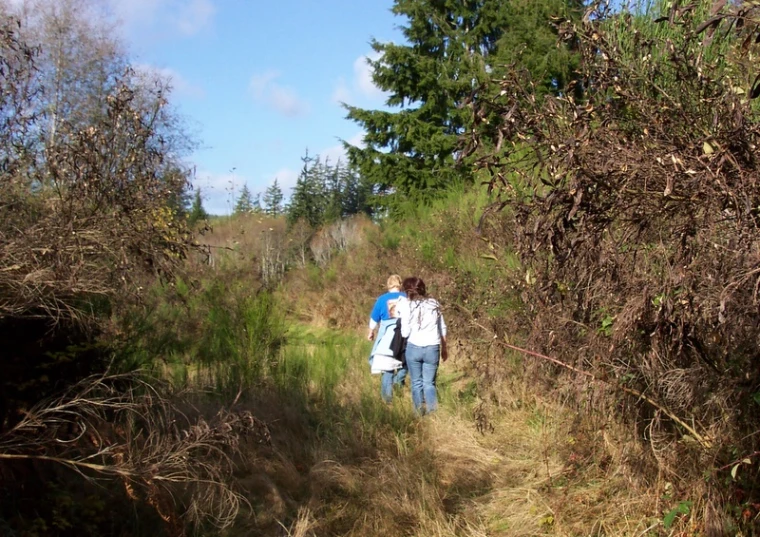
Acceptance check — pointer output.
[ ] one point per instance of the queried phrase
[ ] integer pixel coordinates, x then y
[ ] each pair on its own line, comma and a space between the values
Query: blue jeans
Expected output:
389, 379
423, 367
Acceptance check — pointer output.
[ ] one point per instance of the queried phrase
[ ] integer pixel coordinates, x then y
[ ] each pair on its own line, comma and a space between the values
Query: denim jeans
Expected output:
390, 379
423, 367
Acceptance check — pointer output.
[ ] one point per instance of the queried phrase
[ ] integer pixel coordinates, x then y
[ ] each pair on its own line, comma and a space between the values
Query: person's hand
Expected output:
371, 335
444, 352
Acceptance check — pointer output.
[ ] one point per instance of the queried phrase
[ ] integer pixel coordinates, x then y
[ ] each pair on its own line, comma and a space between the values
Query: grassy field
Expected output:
502, 456
343, 463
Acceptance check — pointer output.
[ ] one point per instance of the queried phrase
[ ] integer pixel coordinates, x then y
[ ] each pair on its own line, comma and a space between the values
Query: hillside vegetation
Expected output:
578, 186
502, 457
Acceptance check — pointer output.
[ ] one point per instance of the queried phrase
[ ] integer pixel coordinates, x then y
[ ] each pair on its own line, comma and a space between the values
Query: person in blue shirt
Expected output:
381, 319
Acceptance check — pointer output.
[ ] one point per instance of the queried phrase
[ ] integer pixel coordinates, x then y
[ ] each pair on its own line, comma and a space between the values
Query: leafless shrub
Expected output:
120, 427
301, 234
87, 212
637, 213
273, 259
337, 237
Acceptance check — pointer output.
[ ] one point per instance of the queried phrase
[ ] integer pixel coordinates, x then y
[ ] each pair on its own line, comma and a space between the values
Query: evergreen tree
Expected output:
531, 42
244, 204
180, 200
357, 193
454, 48
334, 193
307, 201
273, 199
197, 212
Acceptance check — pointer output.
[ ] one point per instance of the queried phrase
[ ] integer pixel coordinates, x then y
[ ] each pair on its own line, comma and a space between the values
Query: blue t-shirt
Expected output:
385, 306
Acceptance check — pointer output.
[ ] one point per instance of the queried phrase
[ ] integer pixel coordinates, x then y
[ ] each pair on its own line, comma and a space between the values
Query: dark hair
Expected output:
414, 288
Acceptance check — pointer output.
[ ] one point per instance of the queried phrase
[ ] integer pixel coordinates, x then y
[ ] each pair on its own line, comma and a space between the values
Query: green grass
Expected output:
220, 335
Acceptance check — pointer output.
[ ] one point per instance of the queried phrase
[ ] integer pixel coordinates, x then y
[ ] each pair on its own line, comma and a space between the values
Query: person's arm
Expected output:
374, 320
442, 328
405, 315
372, 326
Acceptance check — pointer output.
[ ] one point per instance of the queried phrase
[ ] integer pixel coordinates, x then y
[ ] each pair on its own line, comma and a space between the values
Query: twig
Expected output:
106, 469
705, 443
737, 461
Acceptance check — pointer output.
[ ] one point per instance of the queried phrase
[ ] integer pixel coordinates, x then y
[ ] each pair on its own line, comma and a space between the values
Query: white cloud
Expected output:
361, 86
194, 16
341, 93
265, 89
286, 179
337, 152
138, 17
357, 139
179, 84
186, 17
363, 76
219, 190
135, 12
16, 5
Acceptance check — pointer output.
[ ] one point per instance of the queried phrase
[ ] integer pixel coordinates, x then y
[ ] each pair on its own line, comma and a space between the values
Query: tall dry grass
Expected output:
342, 463
501, 457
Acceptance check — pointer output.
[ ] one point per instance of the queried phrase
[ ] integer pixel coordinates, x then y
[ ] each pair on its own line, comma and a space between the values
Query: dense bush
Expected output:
85, 209
636, 214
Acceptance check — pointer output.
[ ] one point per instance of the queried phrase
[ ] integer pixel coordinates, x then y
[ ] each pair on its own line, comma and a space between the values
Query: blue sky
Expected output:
260, 82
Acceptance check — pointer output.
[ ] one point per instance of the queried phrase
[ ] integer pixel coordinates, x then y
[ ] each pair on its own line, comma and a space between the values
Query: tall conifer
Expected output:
273, 198
453, 49
244, 204
197, 212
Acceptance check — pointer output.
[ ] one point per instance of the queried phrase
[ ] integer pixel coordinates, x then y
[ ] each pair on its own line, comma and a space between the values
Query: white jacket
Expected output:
382, 358
422, 321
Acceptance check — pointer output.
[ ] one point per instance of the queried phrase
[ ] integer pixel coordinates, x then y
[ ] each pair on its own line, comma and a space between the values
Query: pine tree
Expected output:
197, 212
180, 199
454, 49
357, 193
308, 199
334, 193
273, 197
244, 204
531, 42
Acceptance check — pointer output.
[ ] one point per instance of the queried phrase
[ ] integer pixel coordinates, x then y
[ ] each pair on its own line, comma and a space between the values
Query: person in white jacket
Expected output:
423, 325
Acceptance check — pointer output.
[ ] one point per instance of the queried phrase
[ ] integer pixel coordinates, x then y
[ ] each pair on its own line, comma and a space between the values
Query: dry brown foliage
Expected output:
87, 212
338, 237
121, 428
637, 212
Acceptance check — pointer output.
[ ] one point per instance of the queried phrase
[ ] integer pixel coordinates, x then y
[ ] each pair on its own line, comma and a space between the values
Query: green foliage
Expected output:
197, 212
325, 193
453, 52
683, 508
245, 203
221, 335
390, 240
272, 199
309, 198
531, 40
439, 237
316, 365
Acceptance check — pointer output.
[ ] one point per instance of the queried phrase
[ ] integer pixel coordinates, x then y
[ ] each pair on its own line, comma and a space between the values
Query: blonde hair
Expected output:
394, 281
